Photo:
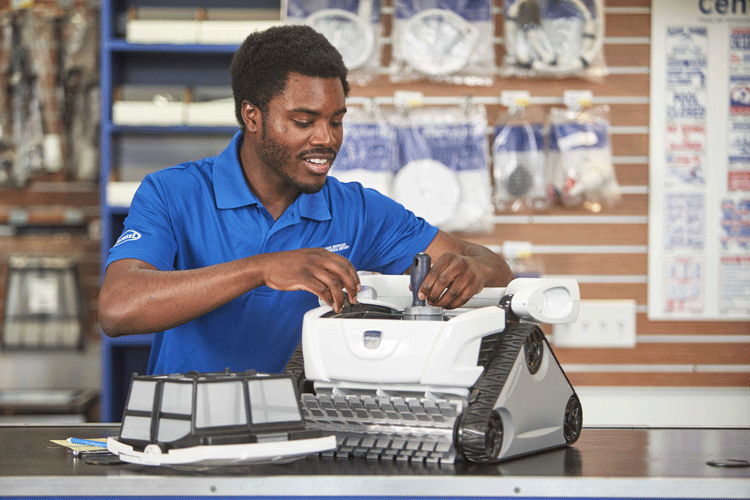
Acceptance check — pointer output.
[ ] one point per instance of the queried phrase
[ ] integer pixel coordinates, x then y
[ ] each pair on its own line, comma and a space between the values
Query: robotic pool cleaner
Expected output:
396, 379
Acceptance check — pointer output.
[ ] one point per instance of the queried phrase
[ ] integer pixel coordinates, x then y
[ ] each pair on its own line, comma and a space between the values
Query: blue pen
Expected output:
88, 442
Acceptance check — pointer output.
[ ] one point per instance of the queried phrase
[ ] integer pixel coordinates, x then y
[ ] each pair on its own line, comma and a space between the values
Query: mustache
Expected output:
318, 151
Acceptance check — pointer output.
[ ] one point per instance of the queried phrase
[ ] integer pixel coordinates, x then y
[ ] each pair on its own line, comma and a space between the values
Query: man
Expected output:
222, 257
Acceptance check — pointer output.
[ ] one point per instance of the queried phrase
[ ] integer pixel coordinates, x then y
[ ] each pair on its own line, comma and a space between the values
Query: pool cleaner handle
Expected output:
419, 269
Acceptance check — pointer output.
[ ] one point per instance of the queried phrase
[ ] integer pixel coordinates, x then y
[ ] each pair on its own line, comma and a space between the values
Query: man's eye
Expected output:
302, 124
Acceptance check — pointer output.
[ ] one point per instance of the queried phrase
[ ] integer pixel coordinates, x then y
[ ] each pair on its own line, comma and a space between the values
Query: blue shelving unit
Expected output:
153, 64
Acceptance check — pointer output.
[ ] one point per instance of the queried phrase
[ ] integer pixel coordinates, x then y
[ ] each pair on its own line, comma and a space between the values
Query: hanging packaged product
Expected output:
444, 167
32, 138
352, 26
520, 258
446, 41
579, 153
368, 153
39, 38
6, 135
518, 164
43, 304
554, 38
80, 75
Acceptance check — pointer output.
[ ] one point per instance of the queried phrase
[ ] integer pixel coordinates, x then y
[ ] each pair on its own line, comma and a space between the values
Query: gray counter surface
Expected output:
605, 462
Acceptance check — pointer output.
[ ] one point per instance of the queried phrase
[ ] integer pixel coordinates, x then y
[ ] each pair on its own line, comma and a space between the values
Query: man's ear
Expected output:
252, 117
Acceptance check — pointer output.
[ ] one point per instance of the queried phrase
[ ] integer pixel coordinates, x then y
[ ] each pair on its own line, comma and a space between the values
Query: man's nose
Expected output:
324, 135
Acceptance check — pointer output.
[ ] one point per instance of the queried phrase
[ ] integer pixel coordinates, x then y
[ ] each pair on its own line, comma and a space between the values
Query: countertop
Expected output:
604, 462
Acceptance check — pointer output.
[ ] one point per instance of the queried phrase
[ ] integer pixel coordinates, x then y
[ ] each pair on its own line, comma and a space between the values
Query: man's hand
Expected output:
452, 281
460, 270
318, 271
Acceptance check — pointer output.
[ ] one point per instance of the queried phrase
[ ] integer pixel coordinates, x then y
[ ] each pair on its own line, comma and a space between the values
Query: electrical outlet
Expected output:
601, 323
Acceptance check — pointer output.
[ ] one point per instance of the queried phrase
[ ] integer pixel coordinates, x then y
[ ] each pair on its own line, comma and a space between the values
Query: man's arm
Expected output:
459, 270
138, 298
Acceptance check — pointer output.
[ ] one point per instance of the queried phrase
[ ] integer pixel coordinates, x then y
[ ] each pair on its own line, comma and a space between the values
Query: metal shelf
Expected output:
171, 129
120, 45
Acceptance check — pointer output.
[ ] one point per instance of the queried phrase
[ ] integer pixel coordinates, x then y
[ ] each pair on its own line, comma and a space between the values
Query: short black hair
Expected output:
262, 64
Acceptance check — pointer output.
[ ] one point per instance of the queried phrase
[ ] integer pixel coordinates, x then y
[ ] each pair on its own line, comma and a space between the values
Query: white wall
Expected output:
665, 406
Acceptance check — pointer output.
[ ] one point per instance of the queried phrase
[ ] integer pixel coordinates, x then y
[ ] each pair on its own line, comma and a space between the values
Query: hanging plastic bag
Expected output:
444, 172
518, 164
368, 152
352, 26
39, 36
6, 131
580, 157
80, 78
554, 38
445, 41
44, 305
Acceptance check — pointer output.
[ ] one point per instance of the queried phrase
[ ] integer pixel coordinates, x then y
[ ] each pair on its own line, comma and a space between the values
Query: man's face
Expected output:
302, 132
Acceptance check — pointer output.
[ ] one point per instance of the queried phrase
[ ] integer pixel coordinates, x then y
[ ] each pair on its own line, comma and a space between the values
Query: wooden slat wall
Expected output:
607, 251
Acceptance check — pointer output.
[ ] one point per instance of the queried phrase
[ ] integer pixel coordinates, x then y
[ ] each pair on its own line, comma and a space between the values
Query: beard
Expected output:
276, 156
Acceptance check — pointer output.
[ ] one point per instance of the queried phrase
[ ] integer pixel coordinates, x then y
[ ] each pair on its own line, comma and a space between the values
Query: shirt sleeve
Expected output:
147, 233
395, 235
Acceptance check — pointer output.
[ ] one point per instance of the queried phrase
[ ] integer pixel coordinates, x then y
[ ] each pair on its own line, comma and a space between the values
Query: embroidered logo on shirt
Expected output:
128, 235
337, 248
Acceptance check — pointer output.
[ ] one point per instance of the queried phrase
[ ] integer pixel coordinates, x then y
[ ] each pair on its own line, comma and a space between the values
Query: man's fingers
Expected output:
337, 281
315, 270
438, 279
343, 276
325, 290
451, 282
454, 297
330, 289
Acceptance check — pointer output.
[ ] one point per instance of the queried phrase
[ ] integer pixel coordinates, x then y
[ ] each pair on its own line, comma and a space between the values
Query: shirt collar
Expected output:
231, 189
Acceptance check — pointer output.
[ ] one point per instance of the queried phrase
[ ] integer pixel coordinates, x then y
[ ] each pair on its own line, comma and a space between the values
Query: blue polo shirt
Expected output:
201, 213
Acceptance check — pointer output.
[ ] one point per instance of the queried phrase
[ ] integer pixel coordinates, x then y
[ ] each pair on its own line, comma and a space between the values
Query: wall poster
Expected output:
699, 160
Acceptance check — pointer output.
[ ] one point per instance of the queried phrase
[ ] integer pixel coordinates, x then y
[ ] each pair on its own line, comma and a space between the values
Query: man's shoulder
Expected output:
350, 197
359, 189
195, 173
350, 189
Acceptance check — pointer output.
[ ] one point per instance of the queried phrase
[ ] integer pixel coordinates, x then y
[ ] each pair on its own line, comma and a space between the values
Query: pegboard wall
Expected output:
606, 251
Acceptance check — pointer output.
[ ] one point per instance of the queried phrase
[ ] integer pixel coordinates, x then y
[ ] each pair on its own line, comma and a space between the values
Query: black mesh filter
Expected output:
520, 181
